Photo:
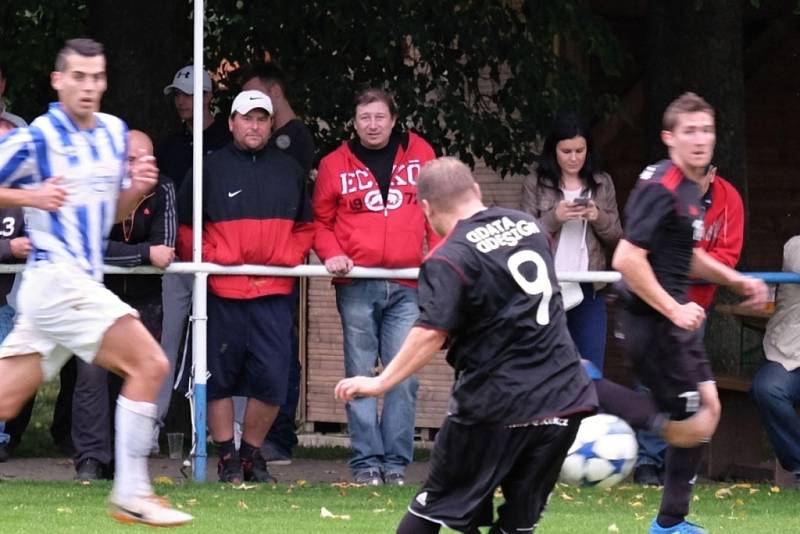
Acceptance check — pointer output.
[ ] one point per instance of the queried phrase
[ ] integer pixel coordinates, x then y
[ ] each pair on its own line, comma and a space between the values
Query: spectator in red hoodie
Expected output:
365, 206
723, 237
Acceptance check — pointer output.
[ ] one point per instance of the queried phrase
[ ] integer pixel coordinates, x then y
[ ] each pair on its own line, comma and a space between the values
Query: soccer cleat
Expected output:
151, 510
229, 469
684, 527
255, 469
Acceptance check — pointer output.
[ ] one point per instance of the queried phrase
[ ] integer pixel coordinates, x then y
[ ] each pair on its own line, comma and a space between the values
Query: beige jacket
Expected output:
602, 234
782, 338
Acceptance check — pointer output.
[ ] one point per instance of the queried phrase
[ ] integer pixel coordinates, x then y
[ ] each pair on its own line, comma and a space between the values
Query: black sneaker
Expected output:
275, 455
229, 469
368, 478
394, 479
646, 475
255, 469
89, 470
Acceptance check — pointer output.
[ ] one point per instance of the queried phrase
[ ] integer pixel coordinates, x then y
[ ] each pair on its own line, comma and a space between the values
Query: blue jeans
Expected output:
376, 317
6, 324
776, 393
587, 326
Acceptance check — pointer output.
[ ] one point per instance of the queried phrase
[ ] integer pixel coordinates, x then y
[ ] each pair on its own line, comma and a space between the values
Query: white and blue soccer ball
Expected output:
604, 452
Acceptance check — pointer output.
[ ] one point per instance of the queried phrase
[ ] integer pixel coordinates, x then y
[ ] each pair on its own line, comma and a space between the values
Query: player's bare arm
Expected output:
631, 262
418, 349
49, 196
144, 176
706, 267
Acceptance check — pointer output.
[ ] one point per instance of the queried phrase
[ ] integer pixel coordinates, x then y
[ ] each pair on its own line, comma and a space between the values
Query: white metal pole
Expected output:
199, 321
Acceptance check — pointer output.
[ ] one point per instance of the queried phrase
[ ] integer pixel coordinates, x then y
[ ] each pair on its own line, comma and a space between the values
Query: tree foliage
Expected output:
479, 79
476, 78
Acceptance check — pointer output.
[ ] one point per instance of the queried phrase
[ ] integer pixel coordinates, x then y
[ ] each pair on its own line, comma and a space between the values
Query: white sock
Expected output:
134, 437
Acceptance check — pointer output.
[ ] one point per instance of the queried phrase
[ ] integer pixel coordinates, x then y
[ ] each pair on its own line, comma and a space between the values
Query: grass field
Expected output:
55, 508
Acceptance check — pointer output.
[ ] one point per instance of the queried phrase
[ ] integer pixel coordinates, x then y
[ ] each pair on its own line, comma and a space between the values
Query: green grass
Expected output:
48, 507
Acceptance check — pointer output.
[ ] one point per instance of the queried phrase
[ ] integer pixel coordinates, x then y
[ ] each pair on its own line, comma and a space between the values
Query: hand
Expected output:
20, 247
567, 210
689, 316
591, 212
339, 265
161, 256
753, 289
143, 172
49, 196
357, 386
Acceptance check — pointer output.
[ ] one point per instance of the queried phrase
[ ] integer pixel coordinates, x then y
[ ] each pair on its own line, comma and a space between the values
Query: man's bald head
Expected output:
138, 140
445, 183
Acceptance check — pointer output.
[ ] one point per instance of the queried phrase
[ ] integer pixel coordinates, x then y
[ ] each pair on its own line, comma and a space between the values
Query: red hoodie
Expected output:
352, 219
723, 234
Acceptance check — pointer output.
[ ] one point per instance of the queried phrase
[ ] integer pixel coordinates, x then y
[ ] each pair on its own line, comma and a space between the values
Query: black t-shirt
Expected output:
491, 286
295, 139
381, 161
664, 217
174, 154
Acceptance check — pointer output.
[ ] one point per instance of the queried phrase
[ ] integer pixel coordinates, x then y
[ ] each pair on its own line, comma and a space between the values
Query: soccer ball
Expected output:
603, 453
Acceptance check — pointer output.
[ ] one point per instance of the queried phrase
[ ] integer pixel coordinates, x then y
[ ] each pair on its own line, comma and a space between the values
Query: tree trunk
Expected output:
697, 46
146, 42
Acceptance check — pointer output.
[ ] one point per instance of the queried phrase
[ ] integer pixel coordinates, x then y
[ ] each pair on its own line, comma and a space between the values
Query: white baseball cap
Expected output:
184, 81
246, 101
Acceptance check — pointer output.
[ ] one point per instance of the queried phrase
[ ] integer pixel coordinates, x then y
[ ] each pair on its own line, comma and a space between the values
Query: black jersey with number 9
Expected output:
491, 286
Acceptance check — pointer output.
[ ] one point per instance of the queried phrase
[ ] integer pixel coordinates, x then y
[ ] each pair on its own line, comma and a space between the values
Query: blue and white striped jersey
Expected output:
93, 166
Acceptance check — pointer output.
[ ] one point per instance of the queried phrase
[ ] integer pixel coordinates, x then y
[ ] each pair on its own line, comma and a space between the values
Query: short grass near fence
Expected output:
55, 508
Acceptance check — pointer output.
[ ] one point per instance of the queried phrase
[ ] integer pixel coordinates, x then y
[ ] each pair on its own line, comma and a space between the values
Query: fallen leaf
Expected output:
244, 487
327, 514
379, 510
163, 480
613, 528
64, 510
775, 489
242, 505
301, 483
294, 507
723, 493
565, 496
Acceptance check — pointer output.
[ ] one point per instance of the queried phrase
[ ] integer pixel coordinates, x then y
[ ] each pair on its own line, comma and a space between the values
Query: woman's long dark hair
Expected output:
566, 126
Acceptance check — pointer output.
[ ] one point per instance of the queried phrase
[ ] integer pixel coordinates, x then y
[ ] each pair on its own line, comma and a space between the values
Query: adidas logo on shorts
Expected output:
422, 498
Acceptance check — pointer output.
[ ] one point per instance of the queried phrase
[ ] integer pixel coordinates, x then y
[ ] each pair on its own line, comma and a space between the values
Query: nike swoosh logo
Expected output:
231, 195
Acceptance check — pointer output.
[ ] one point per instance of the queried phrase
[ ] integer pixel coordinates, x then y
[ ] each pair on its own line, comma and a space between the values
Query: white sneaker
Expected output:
151, 510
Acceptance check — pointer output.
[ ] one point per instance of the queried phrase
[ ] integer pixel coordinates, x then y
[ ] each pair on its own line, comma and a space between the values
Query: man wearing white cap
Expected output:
256, 210
174, 156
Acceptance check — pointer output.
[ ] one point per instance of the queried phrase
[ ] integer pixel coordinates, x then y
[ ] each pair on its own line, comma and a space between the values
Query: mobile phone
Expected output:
581, 201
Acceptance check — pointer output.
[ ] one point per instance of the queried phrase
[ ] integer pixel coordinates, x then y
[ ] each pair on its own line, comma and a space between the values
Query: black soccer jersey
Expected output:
664, 217
491, 286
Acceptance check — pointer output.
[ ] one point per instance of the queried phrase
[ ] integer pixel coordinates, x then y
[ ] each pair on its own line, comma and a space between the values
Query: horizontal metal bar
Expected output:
315, 271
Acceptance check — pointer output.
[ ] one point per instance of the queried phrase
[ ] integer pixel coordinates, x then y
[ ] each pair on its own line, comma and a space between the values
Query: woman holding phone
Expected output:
576, 204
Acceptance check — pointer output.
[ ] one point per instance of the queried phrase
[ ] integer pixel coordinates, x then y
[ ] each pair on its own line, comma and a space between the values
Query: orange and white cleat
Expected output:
150, 510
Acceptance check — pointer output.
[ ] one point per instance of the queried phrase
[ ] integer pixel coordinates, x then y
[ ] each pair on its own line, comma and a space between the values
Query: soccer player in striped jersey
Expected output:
69, 171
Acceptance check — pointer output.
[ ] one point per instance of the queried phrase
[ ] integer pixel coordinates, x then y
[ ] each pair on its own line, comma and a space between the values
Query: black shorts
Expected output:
249, 347
470, 461
668, 360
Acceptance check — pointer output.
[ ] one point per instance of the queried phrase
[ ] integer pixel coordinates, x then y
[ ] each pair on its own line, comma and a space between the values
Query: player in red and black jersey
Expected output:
661, 325
520, 391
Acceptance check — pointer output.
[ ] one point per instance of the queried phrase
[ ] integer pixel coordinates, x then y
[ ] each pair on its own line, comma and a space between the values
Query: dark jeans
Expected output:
96, 393
776, 392
587, 326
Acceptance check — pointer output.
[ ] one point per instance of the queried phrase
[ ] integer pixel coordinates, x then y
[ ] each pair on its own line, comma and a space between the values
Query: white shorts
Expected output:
61, 311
